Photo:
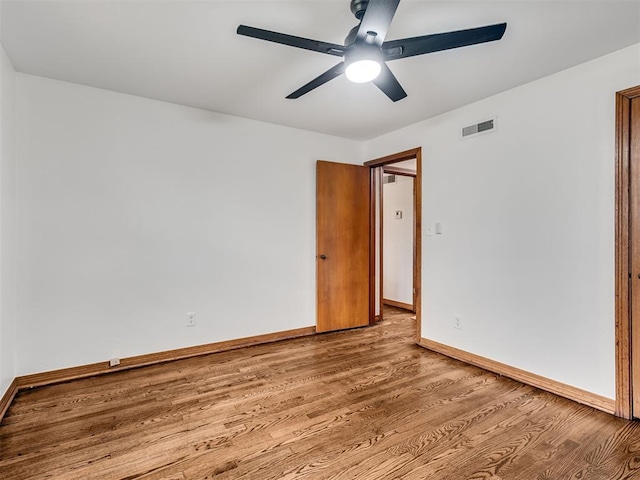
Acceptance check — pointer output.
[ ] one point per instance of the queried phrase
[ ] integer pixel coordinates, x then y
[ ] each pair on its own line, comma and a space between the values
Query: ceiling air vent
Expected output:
482, 127
389, 179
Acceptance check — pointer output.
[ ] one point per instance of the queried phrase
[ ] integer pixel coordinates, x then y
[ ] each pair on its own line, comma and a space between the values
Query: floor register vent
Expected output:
482, 127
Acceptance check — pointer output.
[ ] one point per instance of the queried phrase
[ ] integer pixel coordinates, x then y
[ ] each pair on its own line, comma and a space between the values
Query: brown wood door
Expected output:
634, 254
342, 242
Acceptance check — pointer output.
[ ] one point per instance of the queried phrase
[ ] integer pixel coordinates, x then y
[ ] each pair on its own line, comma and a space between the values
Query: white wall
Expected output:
8, 340
133, 212
527, 254
397, 248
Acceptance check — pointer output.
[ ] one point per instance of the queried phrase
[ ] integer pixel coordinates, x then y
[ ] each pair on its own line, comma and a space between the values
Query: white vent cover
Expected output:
483, 127
388, 179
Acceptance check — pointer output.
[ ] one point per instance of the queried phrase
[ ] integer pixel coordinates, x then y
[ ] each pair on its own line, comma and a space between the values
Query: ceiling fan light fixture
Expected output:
362, 71
364, 53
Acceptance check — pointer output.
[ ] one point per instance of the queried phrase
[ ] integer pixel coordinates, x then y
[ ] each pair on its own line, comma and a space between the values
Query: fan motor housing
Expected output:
363, 52
358, 8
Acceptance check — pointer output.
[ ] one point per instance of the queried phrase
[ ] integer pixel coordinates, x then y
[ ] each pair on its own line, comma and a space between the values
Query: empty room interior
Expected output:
319, 239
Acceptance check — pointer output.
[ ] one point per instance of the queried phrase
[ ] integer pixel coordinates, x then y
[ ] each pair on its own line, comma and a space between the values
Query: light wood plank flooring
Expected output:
361, 404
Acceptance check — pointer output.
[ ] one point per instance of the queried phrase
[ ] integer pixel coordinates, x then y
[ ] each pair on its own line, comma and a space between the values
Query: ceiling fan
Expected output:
365, 52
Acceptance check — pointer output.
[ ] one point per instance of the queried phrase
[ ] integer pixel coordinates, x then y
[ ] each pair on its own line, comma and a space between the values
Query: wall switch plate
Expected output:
398, 214
457, 322
191, 319
438, 228
114, 362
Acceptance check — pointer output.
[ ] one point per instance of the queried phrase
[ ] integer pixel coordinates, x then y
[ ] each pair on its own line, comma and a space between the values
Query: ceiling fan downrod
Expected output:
358, 7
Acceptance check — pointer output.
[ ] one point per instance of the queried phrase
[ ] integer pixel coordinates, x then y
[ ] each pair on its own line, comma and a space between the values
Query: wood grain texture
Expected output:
576, 394
342, 235
358, 404
622, 258
90, 370
417, 247
634, 250
394, 158
380, 193
8, 397
623, 321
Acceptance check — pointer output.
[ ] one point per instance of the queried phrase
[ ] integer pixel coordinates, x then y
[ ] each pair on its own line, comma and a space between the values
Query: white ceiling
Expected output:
187, 52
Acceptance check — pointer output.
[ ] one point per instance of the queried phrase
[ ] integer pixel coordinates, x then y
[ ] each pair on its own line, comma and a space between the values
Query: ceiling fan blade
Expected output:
408, 47
292, 41
389, 84
377, 18
330, 74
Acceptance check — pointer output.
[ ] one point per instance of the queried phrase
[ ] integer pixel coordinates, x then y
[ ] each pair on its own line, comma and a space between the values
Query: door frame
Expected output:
623, 319
417, 229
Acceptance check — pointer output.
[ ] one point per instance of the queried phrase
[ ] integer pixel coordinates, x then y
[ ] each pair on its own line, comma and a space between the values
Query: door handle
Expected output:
323, 257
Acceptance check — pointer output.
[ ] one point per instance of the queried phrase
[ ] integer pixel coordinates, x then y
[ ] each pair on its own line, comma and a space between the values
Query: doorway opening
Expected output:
396, 249
396, 234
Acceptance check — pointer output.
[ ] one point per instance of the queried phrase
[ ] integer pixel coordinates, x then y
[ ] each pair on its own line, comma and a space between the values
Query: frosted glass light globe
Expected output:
363, 71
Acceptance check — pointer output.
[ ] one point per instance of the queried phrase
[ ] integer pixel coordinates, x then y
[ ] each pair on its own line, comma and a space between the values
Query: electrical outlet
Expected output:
191, 319
114, 362
457, 322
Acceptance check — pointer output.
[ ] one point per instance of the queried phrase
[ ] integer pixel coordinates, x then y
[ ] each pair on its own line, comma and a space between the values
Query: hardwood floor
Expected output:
360, 404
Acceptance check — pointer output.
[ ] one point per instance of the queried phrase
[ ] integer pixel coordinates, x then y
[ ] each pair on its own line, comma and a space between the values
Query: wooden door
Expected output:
634, 247
342, 242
